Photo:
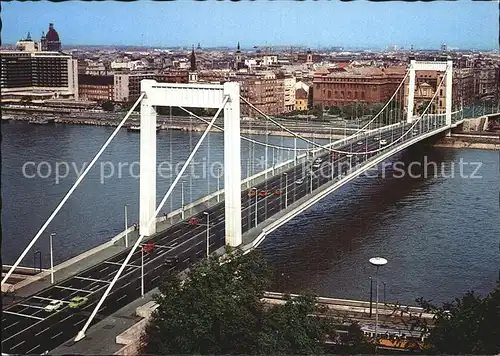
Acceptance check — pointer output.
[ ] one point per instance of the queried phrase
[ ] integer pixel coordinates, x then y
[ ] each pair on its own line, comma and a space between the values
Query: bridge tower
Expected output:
188, 96
441, 66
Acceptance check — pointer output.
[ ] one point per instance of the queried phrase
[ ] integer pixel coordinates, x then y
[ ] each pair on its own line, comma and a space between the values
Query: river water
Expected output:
440, 234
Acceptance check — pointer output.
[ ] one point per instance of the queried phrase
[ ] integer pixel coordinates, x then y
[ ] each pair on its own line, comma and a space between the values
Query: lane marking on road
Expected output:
5, 328
29, 351
38, 333
22, 342
74, 289
56, 335
25, 315
92, 279
31, 306
119, 264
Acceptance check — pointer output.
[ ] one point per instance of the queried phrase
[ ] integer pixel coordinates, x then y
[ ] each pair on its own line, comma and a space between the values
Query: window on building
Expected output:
329, 94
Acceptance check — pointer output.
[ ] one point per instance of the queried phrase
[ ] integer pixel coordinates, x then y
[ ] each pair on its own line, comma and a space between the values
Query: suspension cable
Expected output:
68, 194
81, 333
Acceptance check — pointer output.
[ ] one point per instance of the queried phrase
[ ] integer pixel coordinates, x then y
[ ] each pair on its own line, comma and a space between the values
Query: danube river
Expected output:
440, 233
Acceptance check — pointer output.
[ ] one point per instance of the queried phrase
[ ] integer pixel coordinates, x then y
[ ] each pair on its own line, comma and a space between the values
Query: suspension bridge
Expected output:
240, 215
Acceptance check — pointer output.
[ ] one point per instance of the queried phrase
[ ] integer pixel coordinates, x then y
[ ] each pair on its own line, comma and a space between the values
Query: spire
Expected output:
193, 60
28, 37
238, 49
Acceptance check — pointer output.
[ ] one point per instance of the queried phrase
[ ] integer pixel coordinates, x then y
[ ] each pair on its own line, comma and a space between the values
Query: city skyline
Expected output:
462, 25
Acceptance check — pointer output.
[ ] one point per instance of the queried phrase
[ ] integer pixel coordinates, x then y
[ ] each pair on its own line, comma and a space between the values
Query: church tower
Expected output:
193, 74
237, 59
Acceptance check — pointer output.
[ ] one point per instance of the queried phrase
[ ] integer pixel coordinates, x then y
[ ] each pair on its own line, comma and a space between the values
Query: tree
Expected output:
468, 325
218, 310
334, 110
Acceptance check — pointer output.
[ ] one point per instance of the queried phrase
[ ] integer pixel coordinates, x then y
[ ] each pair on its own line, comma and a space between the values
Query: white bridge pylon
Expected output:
198, 96
441, 66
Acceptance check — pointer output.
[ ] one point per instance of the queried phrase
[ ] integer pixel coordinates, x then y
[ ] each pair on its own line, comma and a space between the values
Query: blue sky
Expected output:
462, 24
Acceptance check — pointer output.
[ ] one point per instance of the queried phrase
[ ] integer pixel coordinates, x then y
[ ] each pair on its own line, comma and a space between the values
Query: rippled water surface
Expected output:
440, 234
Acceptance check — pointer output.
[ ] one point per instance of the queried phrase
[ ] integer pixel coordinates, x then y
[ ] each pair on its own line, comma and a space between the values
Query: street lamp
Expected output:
51, 259
142, 271
208, 232
218, 185
182, 200
256, 209
286, 189
377, 262
126, 227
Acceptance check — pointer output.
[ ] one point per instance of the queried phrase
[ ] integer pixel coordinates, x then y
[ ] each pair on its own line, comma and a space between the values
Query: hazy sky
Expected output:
462, 24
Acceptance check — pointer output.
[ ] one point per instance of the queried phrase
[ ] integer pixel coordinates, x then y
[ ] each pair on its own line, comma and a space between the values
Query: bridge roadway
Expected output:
28, 328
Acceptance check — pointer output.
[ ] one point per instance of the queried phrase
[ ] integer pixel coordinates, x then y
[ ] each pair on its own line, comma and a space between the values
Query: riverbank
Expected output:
469, 141
248, 127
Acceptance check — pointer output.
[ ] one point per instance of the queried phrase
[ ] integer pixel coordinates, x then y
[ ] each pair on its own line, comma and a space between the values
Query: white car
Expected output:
316, 165
299, 181
360, 142
53, 305
383, 142
376, 138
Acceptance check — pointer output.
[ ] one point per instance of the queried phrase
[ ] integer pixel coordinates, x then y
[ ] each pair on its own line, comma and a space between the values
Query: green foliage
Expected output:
334, 110
218, 310
468, 325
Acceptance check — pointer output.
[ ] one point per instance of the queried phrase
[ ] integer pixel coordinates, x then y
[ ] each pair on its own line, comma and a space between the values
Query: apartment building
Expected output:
95, 87
38, 74
127, 86
265, 92
342, 86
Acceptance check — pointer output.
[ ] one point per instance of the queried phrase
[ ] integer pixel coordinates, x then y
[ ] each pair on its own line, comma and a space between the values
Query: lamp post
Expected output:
286, 189
182, 200
37, 252
208, 232
142, 271
377, 262
371, 295
218, 185
51, 259
126, 227
256, 210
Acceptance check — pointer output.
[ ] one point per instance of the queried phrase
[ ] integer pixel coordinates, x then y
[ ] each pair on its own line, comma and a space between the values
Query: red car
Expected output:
193, 221
277, 192
335, 155
263, 193
148, 247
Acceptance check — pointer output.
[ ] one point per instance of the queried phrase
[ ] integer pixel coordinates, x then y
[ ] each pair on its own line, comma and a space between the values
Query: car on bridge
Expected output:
263, 193
376, 138
148, 247
299, 181
194, 221
252, 192
360, 143
383, 142
53, 306
277, 192
335, 155
77, 302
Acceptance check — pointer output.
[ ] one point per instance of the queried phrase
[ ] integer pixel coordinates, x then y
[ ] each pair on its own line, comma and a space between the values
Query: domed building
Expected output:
51, 42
